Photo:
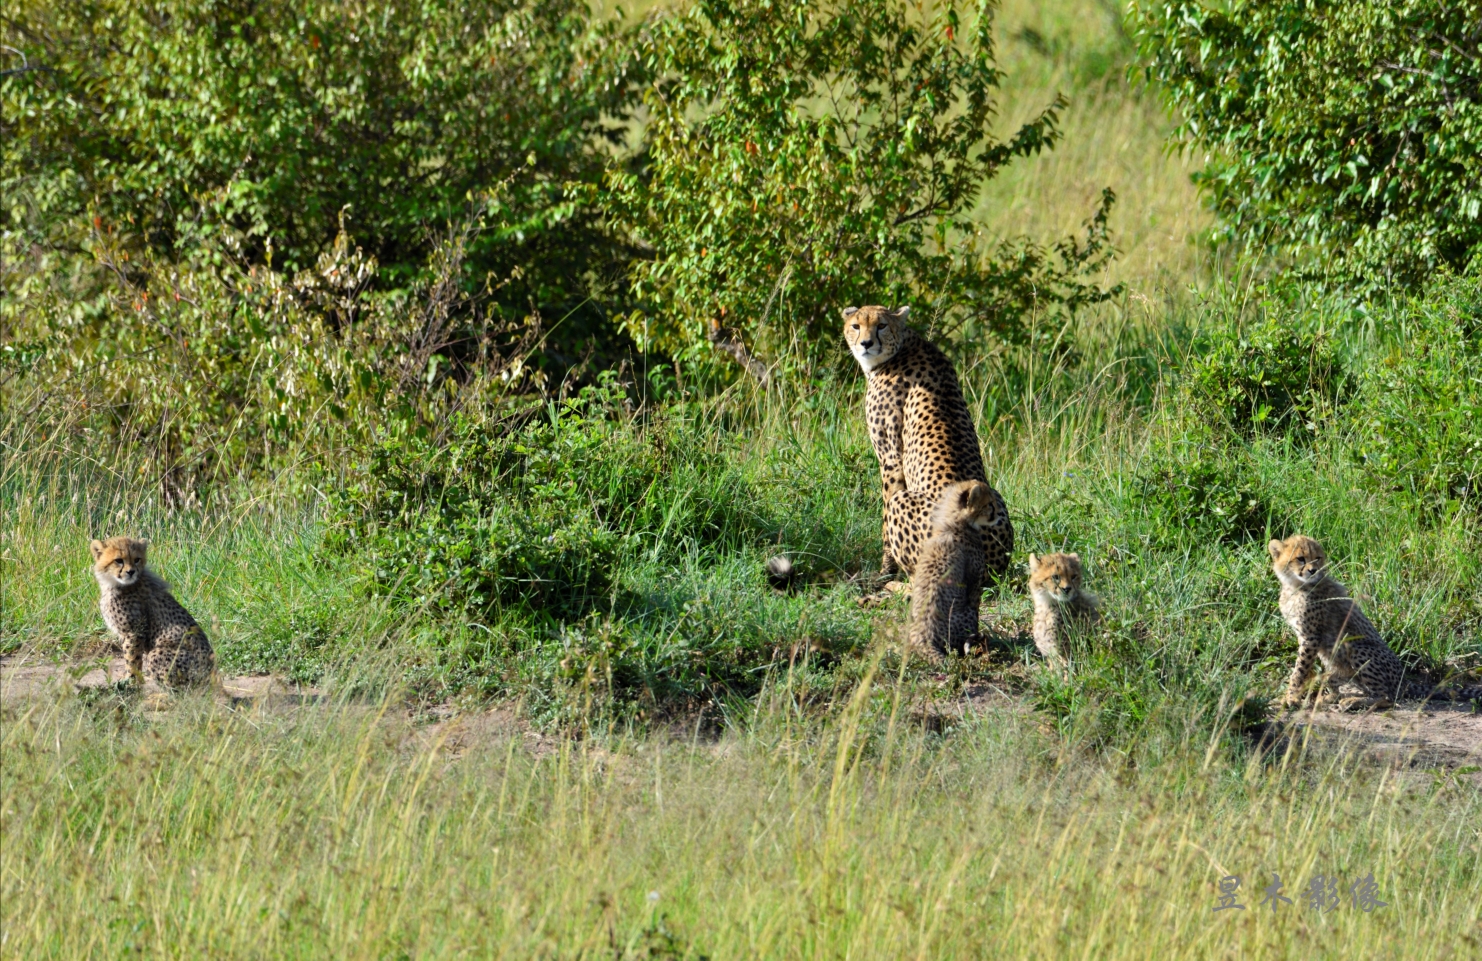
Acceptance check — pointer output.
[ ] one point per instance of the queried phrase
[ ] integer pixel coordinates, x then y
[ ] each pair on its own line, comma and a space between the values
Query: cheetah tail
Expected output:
1469, 693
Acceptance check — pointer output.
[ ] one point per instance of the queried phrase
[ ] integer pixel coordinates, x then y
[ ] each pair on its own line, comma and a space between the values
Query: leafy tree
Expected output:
1351, 130
801, 157
171, 119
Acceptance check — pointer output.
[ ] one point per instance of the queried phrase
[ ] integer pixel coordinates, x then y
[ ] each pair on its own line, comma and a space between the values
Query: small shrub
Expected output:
539, 514
1190, 496
1419, 415
1266, 378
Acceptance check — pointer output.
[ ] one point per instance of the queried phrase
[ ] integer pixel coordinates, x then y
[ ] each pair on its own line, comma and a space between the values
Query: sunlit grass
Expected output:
343, 832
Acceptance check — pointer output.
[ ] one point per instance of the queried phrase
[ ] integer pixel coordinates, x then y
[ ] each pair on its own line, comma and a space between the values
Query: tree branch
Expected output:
728, 340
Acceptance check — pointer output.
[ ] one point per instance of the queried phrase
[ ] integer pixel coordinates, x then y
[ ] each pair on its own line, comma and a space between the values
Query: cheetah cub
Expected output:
1060, 602
947, 586
160, 639
1331, 627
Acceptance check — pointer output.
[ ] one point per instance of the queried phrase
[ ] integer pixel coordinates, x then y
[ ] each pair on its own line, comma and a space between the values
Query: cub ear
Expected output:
850, 312
1274, 549
1074, 557
97, 549
1033, 563
901, 313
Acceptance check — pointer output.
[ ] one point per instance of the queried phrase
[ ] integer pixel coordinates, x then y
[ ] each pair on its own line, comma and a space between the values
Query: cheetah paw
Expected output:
881, 596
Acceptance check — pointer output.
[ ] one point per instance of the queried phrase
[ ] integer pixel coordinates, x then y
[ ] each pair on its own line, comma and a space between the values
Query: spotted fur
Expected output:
161, 641
947, 589
923, 437
1331, 628
1060, 602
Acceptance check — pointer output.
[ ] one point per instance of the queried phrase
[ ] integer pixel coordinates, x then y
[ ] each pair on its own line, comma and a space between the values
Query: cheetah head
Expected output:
874, 333
1298, 561
1055, 576
119, 560
963, 504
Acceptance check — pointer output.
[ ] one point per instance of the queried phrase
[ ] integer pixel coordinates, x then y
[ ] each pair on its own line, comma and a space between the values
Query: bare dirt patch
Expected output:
24, 676
1431, 735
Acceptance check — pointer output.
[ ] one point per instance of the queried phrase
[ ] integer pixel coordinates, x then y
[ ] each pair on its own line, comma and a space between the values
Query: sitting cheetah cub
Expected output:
947, 585
1059, 601
1331, 627
160, 639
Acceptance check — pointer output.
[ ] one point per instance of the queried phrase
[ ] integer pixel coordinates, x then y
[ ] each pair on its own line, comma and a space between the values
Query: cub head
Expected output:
119, 560
874, 333
963, 504
1057, 576
1298, 561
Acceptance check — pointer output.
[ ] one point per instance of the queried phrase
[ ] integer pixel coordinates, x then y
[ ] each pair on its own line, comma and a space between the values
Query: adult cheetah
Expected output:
923, 436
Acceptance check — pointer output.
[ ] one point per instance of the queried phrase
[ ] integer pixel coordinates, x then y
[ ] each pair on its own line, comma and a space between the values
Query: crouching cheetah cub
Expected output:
947, 586
1331, 627
160, 639
1060, 602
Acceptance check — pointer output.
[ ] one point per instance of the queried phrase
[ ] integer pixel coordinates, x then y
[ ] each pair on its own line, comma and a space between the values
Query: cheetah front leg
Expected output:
133, 652
891, 483
1296, 687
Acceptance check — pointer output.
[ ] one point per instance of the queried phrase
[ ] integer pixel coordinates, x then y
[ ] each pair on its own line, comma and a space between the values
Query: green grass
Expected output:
703, 766
345, 833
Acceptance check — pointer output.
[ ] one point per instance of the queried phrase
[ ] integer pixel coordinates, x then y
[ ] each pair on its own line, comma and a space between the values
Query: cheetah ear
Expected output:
1074, 557
97, 549
1274, 549
901, 313
1033, 563
850, 312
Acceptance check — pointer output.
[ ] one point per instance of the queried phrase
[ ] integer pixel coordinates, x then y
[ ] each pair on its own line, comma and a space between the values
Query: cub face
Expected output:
119, 560
963, 504
1298, 560
1057, 576
874, 334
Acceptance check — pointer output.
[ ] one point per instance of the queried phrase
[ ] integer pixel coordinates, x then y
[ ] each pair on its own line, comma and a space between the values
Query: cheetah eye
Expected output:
1301, 560
855, 327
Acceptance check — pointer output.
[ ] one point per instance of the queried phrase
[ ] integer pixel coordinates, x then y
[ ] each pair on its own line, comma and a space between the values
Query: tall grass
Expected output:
345, 833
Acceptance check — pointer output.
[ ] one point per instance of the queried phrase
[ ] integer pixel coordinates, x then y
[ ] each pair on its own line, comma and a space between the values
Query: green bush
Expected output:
168, 120
191, 374
1267, 377
800, 158
1352, 129
1419, 413
537, 515
1191, 492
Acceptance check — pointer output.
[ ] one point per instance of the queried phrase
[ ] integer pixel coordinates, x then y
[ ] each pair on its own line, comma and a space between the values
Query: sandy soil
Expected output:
25, 676
1434, 735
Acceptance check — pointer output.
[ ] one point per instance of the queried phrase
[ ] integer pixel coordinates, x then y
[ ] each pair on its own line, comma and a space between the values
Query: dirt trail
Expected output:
25, 676
1432, 736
